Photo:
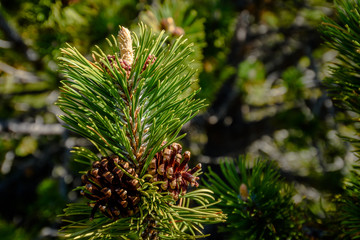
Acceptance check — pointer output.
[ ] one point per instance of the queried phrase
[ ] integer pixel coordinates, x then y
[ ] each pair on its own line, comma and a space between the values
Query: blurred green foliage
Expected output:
50, 203
10, 231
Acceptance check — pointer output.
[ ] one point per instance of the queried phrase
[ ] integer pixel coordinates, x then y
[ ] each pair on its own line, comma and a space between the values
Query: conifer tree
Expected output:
131, 103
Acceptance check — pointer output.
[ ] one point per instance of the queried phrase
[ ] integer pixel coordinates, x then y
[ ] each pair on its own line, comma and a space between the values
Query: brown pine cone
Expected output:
115, 67
178, 31
149, 60
171, 167
110, 189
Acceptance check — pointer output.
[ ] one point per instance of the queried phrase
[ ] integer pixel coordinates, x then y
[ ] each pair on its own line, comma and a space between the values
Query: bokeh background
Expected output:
260, 65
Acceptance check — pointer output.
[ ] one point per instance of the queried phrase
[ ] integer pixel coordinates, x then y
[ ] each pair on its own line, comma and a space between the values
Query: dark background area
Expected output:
261, 65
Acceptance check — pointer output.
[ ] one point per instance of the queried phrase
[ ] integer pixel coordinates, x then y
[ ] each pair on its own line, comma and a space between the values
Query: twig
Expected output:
5, 44
228, 93
31, 128
19, 44
26, 77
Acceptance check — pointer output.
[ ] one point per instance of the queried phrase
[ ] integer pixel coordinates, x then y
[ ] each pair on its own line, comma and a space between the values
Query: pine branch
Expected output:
257, 202
131, 104
147, 106
343, 35
173, 219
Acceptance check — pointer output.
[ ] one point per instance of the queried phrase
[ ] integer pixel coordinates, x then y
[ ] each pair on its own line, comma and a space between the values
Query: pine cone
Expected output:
112, 60
110, 189
169, 25
171, 167
115, 67
178, 31
125, 45
150, 60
